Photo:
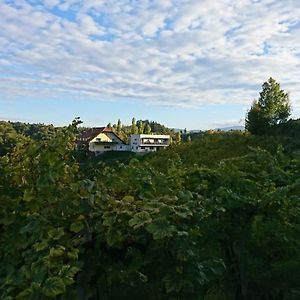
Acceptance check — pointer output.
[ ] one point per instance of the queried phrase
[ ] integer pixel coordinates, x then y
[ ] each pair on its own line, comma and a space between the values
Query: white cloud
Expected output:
51, 3
171, 52
89, 26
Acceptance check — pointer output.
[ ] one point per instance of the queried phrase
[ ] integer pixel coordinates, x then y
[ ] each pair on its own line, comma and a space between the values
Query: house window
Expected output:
120, 147
142, 147
106, 147
137, 147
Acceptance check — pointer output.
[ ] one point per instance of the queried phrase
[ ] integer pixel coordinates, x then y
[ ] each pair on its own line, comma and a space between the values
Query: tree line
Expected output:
143, 127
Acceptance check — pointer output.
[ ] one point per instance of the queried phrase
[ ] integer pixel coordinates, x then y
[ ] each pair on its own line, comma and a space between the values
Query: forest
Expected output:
215, 216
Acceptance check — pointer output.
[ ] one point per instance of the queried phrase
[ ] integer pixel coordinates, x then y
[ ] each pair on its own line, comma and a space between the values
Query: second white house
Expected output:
148, 142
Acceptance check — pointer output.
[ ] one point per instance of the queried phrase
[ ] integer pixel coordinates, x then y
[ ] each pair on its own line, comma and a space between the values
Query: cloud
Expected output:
171, 52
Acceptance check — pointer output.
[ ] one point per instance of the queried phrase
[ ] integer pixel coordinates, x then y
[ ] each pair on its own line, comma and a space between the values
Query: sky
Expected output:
194, 64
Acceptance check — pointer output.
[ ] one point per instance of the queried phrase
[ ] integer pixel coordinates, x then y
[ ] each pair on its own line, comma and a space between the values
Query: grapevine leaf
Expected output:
53, 286
161, 229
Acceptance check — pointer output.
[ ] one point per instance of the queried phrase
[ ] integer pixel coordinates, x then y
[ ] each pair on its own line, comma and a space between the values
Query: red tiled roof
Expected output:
91, 133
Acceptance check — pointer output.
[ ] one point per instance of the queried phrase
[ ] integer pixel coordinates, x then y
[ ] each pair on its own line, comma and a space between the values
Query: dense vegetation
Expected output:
13, 133
213, 218
272, 108
143, 127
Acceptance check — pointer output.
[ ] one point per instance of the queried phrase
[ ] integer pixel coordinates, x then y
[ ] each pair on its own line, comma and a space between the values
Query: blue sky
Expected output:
194, 64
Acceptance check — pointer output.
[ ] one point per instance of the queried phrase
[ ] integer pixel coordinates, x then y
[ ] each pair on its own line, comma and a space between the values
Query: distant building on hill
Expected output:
102, 139
148, 142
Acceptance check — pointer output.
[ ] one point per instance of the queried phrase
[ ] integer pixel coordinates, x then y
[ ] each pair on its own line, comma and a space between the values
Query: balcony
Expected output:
154, 142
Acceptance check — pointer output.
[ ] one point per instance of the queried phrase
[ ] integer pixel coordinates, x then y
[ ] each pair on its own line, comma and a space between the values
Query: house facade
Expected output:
148, 142
101, 139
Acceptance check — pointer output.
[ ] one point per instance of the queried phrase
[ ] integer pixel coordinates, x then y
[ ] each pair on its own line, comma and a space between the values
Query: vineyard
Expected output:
214, 218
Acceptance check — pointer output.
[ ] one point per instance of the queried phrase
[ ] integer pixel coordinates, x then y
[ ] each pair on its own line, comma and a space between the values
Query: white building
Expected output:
102, 139
148, 142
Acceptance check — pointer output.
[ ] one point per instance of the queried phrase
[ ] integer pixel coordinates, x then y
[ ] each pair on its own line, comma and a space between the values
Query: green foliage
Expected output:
176, 138
34, 131
215, 218
158, 128
141, 126
134, 128
146, 126
291, 129
35, 213
272, 108
54, 286
119, 127
147, 129
9, 138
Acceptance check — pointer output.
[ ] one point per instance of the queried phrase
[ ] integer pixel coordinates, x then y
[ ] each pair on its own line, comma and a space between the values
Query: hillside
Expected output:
215, 218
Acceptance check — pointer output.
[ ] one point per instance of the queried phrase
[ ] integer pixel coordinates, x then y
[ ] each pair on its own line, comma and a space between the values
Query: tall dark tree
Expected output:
272, 108
147, 129
177, 138
119, 127
141, 126
134, 128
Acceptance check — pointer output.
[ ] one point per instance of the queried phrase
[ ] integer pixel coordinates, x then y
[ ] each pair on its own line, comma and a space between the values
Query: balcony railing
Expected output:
166, 143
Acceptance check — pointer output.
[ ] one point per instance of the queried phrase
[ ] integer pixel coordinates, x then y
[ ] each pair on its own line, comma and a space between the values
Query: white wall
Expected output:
109, 138
136, 144
99, 148
121, 147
